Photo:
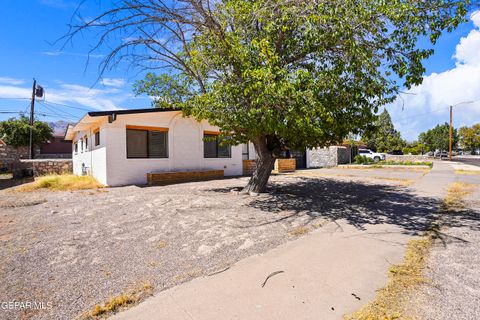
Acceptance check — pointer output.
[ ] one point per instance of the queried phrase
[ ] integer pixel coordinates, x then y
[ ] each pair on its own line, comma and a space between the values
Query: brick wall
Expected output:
164, 178
248, 167
285, 165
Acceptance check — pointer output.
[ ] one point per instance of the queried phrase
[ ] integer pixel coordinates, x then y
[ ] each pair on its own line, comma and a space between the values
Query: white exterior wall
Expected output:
185, 150
94, 158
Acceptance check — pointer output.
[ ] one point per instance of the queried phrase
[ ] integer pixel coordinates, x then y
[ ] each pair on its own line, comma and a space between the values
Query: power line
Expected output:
64, 105
6, 98
51, 108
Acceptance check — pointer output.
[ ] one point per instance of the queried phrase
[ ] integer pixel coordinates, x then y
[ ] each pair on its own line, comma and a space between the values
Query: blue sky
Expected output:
29, 28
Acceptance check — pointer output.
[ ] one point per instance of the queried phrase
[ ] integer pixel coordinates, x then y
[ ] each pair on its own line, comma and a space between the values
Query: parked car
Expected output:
441, 154
372, 155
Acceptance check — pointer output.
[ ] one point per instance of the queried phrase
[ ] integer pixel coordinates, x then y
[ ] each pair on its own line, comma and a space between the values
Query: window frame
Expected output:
147, 129
96, 136
217, 145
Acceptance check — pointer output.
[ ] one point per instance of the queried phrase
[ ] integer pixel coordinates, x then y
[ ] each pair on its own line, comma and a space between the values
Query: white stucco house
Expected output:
120, 147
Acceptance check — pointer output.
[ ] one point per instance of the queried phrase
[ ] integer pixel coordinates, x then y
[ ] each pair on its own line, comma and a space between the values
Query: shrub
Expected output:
62, 182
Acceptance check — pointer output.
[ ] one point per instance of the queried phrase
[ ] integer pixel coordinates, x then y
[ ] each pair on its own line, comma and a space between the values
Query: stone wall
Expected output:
40, 167
327, 157
404, 158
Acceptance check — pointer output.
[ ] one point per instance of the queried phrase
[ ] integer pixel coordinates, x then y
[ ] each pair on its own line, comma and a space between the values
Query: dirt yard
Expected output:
77, 249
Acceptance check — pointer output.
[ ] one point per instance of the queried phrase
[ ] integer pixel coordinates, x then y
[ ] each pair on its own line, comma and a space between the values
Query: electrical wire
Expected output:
51, 108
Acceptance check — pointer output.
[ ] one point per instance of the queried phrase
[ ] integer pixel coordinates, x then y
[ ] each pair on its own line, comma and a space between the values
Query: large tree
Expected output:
438, 138
384, 137
284, 74
16, 131
470, 137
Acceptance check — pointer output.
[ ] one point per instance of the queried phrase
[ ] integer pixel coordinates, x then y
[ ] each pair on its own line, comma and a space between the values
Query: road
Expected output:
473, 160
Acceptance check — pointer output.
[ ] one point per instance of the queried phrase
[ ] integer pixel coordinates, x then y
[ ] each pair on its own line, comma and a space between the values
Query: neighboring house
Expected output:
120, 147
56, 147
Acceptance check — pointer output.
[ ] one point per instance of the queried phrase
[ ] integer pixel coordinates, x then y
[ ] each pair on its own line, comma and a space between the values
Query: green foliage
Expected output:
363, 160
438, 138
414, 148
299, 73
470, 137
16, 131
385, 138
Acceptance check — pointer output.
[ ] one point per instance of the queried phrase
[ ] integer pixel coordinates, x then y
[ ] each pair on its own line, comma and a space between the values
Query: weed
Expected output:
298, 231
119, 302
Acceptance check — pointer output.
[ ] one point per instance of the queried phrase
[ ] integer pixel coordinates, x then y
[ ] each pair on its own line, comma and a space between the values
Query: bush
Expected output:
363, 160
62, 182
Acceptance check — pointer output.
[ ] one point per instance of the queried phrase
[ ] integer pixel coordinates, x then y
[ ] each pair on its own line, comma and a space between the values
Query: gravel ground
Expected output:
76, 249
453, 267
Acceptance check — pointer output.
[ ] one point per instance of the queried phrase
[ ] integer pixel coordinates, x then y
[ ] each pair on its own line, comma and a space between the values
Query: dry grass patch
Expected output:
467, 172
299, 231
390, 300
457, 191
120, 302
62, 182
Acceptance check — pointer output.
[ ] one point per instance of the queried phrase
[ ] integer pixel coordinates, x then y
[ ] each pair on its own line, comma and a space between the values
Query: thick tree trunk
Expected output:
263, 167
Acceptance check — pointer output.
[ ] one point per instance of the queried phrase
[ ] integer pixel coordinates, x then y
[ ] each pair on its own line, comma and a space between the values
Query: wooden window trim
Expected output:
147, 128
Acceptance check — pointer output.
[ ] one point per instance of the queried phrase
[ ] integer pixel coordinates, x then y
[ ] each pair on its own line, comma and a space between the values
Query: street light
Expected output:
451, 128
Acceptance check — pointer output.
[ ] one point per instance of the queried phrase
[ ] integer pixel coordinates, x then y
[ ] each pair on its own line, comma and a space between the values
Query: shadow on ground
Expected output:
358, 203
9, 183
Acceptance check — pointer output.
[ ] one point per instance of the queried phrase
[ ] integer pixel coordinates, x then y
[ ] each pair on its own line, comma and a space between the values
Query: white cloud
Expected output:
427, 105
74, 54
72, 94
11, 81
113, 82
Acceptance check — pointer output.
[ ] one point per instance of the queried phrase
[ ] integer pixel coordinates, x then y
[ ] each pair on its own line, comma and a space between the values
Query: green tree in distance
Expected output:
470, 137
384, 137
284, 74
16, 131
438, 138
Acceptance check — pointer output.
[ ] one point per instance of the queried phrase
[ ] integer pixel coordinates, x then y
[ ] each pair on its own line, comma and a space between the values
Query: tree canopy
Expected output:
438, 138
284, 74
384, 137
470, 137
16, 131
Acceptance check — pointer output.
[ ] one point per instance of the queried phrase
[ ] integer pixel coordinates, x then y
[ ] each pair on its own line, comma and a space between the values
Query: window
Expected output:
97, 137
147, 143
81, 145
86, 143
75, 147
245, 151
212, 147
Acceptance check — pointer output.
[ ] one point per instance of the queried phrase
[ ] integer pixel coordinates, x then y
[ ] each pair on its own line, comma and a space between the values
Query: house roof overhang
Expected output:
94, 117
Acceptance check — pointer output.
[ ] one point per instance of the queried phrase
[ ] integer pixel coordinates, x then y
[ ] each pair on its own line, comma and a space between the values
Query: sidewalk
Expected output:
329, 273
322, 271
435, 183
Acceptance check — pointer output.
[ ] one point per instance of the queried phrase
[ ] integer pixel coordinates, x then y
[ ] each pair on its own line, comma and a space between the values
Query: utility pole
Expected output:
451, 126
32, 114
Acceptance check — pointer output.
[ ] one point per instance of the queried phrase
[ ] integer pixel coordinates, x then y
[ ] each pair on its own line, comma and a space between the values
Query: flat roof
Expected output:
129, 111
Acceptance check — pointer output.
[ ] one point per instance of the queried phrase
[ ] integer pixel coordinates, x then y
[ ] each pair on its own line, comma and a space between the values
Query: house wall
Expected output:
94, 158
111, 166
